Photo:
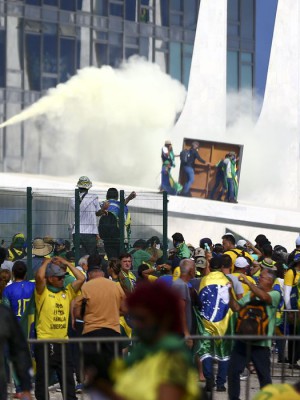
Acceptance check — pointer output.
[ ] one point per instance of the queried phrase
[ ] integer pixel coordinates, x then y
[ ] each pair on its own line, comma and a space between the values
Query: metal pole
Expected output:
64, 371
29, 234
165, 226
122, 220
77, 227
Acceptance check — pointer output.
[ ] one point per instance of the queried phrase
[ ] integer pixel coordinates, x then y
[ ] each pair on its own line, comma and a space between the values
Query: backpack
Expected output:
253, 318
185, 156
108, 227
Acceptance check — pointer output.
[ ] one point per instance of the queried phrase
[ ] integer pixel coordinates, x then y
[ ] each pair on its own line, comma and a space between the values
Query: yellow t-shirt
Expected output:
278, 392
290, 279
245, 286
176, 274
235, 253
53, 310
152, 278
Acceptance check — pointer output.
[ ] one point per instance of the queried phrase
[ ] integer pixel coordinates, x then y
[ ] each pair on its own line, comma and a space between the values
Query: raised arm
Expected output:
40, 277
80, 278
261, 294
130, 197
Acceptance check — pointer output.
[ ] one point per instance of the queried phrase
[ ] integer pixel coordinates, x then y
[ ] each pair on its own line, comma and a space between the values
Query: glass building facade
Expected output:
44, 42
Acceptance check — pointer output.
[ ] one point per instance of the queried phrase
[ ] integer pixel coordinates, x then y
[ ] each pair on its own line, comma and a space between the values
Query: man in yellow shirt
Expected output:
229, 244
240, 267
53, 309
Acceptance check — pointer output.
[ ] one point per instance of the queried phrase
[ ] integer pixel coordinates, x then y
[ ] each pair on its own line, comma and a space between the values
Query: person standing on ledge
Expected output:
188, 158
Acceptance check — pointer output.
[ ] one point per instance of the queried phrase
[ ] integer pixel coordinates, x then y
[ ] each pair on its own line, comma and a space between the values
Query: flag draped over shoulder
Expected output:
28, 319
214, 317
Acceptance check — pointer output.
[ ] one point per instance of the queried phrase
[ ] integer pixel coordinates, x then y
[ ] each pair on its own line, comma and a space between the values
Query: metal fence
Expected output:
279, 372
40, 213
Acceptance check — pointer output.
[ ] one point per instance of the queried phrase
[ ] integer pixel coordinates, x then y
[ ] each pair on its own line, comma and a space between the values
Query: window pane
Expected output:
247, 12
187, 61
33, 60
67, 59
34, 2
101, 7
68, 5
246, 76
130, 10
51, 2
130, 52
115, 55
190, 14
233, 10
176, 5
144, 46
232, 29
49, 83
116, 9
232, 71
164, 7
246, 57
175, 61
50, 54
102, 54
2, 58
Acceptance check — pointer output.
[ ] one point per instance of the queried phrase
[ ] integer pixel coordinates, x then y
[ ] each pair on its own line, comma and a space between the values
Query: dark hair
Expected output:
152, 240
149, 296
114, 264
218, 248
19, 270
215, 263
226, 261
3, 254
141, 269
94, 260
125, 255
112, 194
261, 240
267, 250
230, 238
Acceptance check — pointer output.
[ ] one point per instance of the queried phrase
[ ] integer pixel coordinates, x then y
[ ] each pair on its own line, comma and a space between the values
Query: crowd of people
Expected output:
215, 291
225, 180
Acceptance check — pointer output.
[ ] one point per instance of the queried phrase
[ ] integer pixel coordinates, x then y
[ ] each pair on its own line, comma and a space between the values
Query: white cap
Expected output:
241, 262
298, 241
241, 243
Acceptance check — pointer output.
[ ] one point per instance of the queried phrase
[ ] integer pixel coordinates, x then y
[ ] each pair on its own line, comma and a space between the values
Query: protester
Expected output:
168, 184
226, 269
127, 277
188, 158
220, 185
159, 365
257, 351
182, 251
294, 252
89, 210
154, 249
53, 310
99, 306
40, 250
181, 285
167, 154
229, 244
12, 337
214, 320
231, 180
4, 262
17, 249
241, 267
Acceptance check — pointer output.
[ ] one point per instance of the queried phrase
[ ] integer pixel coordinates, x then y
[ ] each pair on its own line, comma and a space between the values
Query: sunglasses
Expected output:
60, 278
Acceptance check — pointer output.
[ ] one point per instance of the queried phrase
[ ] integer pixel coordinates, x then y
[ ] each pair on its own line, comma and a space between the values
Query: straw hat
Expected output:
40, 248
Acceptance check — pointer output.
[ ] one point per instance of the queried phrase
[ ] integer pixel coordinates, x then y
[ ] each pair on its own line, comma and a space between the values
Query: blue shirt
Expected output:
17, 295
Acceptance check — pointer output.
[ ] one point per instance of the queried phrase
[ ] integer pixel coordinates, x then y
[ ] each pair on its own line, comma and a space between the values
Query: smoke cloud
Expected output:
109, 123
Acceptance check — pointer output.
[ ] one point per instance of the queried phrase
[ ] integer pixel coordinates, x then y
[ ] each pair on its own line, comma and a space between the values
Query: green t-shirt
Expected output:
183, 251
271, 312
139, 257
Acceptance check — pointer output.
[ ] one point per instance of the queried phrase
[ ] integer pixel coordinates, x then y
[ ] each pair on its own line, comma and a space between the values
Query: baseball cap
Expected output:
298, 241
168, 142
60, 242
200, 262
241, 243
199, 252
241, 262
205, 240
54, 270
178, 237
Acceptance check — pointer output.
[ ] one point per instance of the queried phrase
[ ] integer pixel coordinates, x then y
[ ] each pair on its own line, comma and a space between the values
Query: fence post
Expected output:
29, 233
165, 226
122, 220
77, 227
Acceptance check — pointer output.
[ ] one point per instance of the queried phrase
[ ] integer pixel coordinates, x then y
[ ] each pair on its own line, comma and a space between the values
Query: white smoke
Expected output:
109, 123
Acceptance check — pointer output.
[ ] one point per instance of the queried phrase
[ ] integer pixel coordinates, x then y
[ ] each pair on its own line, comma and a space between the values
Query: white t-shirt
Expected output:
88, 219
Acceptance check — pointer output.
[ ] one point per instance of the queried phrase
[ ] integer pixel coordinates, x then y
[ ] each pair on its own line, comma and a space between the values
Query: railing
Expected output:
279, 374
